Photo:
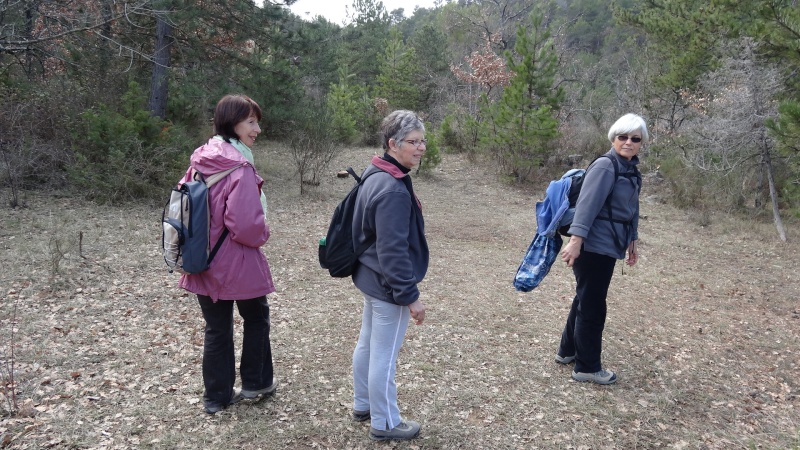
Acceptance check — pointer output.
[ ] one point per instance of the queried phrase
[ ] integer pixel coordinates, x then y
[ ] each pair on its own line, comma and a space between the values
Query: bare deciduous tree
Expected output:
731, 140
312, 148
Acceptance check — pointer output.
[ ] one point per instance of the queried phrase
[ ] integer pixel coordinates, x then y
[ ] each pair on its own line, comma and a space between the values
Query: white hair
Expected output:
627, 124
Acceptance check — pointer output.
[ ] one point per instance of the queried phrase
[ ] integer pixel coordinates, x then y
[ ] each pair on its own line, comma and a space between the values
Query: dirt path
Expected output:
704, 333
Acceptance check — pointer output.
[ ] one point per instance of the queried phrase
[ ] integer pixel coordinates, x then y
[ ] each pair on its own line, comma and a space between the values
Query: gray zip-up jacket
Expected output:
387, 209
592, 212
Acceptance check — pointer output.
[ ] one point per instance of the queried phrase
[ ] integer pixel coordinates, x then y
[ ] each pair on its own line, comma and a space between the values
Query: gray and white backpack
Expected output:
186, 225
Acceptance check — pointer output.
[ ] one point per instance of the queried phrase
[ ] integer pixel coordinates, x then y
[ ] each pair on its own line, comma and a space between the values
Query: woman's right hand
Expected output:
417, 312
572, 250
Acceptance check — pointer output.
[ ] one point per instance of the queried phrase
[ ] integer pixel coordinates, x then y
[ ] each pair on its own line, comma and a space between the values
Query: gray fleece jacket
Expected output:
592, 212
387, 209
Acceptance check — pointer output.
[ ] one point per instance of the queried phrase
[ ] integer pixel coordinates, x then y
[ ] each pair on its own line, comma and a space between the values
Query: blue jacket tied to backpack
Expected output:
546, 243
606, 215
552, 211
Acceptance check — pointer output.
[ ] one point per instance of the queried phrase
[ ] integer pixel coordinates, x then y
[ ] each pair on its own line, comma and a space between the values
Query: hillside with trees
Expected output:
106, 99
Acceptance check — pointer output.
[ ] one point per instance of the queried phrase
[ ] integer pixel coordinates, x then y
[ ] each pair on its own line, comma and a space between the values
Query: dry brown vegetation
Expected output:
704, 333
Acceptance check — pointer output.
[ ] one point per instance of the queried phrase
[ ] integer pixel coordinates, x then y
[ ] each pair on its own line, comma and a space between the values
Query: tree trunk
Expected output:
765, 144
758, 192
773, 194
161, 61
30, 14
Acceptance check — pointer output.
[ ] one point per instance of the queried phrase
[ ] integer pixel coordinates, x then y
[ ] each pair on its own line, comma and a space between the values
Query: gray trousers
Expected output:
383, 328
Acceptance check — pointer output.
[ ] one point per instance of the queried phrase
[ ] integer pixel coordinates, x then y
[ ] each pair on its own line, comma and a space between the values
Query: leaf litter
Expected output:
703, 332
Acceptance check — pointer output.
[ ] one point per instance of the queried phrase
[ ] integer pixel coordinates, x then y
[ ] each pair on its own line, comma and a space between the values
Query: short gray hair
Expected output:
627, 124
398, 124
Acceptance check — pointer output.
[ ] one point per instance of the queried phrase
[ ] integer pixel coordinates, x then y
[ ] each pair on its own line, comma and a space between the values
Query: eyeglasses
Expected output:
416, 142
625, 137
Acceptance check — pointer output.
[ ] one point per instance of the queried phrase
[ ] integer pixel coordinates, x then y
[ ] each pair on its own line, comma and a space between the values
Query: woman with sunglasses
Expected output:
604, 229
388, 214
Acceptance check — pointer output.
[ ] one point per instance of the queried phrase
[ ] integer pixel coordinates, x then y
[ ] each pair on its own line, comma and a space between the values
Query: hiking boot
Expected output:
361, 416
602, 376
564, 359
213, 408
266, 392
407, 430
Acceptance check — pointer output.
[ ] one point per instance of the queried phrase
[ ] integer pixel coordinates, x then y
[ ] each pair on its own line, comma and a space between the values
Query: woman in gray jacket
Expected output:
388, 213
604, 229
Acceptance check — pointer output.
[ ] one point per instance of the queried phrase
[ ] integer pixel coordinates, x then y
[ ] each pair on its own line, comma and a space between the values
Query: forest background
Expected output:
107, 98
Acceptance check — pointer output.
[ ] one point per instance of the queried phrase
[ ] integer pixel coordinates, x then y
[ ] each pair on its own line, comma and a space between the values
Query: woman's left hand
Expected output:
633, 254
417, 312
572, 250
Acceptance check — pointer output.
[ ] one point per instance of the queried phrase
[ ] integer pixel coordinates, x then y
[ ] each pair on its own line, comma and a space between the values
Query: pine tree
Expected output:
523, 122
343, 109
397, 81
365, 40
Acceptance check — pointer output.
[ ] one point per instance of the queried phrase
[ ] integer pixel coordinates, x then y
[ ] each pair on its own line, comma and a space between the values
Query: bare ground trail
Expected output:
704, 333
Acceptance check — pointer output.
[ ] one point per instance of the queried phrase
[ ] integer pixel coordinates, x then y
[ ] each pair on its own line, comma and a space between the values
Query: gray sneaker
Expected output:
213, 408
361, 416
564, 359
407, 430
266, 392
602, 376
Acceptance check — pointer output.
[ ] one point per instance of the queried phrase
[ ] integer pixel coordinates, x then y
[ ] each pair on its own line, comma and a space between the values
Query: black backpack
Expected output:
577, 176
336, 251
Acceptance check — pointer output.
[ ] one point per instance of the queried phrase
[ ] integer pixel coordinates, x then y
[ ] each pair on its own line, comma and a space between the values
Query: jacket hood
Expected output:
216, 156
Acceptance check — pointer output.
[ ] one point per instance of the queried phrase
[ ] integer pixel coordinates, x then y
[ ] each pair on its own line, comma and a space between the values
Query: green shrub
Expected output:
342, 109
312, 148
34, 151
684, 181
124, 154
431, 158
459, 131
371, 112
449, 135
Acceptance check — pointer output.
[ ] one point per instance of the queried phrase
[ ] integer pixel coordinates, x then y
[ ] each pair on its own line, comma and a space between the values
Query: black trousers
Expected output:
219, 362
583, 333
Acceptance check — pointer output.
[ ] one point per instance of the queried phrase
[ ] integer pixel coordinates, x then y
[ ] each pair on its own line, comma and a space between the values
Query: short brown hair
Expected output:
231, 110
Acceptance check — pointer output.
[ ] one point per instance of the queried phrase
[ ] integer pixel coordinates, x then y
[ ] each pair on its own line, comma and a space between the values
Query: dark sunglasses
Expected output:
625, 137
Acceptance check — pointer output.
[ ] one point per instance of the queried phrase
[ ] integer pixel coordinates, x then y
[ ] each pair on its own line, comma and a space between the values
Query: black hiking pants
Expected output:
219, 362
583, 333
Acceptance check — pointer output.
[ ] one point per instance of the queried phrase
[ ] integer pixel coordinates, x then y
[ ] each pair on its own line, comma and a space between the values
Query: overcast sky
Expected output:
334, 10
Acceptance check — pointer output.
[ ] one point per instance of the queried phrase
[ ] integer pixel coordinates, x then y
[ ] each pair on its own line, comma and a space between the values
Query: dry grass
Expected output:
704, 333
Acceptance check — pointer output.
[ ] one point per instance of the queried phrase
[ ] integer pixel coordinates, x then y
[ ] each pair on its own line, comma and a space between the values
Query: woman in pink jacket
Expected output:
239, 273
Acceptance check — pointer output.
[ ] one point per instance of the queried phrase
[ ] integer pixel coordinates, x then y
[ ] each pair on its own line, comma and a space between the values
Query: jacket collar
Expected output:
387, 167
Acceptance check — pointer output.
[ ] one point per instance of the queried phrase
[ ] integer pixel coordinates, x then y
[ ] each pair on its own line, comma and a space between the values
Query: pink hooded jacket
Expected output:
239, 270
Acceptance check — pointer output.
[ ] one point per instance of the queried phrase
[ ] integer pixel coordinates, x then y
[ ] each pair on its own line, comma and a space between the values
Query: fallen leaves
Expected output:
108, 353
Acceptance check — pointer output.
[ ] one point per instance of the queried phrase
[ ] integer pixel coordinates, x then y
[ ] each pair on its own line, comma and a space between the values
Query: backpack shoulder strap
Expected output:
210, 181
636, 173
614, 163
213, 179
366, 174
359, 181
353, 174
